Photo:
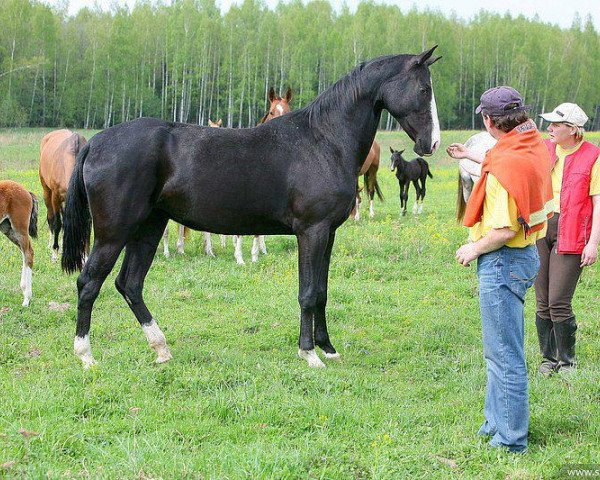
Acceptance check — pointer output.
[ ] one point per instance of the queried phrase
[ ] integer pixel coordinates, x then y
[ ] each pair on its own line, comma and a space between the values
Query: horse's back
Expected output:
13, 196
58, 151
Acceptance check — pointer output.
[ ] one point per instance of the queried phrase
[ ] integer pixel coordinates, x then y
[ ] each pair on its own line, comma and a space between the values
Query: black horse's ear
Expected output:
391, 150
288, 95
401, 152
271, 94
432, 61
423, 57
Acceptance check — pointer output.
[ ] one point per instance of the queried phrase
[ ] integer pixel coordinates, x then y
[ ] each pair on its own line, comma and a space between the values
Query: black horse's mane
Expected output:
354, 83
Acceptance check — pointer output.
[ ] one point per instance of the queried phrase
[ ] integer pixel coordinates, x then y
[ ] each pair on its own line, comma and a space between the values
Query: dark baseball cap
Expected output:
501, 101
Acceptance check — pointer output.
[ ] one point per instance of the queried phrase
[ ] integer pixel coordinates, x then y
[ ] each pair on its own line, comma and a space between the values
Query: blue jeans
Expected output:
504, 277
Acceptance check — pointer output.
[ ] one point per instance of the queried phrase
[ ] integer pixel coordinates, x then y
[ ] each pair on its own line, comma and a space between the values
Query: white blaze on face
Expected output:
435, 131
279, 108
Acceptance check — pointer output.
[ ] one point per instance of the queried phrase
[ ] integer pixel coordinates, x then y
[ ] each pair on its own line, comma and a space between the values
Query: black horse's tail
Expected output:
33, 217
375, 185
77, 219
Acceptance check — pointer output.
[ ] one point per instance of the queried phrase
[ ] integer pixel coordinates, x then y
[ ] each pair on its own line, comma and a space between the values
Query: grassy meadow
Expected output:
235, 402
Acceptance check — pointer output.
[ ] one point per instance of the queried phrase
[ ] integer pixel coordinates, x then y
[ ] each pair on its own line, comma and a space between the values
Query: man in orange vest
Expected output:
506, 213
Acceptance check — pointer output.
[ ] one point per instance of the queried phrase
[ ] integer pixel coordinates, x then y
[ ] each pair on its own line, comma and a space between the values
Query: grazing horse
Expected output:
278, 106
369, 170
414, 171
57, 159
469, 171
294, 175
18, 221
184, 232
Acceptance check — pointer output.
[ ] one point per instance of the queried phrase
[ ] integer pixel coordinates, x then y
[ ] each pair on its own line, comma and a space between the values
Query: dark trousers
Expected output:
557, 278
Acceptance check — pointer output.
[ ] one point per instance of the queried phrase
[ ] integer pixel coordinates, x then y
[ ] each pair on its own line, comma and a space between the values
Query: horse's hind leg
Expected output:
237, 243
422, 193
208, 244
166, 241
47, 194
181, 239
17, 233
418, 196
57, 221
321, 334
139, 254
101, 261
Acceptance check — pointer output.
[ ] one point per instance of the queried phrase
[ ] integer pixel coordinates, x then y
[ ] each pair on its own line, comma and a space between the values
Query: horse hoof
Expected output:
163, 357
333, 356
89, 363
312, 358
26, 302
240, 262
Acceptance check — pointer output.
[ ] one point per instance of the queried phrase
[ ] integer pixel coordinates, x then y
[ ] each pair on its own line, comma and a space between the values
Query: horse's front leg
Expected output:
312, 246
321, 334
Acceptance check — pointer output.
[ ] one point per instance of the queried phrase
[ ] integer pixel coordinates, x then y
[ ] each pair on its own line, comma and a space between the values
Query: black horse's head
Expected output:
408, 96
396, 159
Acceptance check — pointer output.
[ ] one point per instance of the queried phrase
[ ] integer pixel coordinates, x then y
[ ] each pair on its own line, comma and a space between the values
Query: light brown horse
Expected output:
278, 106
369, 170
18, 221
57, 159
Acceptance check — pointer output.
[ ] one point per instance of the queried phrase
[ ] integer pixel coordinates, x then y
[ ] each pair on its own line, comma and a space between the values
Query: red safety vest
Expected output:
576, 207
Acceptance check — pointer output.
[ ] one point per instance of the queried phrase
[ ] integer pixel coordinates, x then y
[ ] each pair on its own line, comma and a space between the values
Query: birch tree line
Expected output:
185, 61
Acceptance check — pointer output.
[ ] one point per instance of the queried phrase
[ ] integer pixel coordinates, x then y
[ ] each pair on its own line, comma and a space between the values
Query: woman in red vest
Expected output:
571, 242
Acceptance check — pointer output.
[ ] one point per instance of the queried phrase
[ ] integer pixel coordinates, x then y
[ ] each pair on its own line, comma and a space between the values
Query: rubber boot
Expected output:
564, 333
545, 331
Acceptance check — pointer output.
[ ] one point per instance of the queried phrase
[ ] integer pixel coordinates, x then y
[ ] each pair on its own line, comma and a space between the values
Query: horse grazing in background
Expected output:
183, 232
18, 221
278, 106
369, 172
294, 175
469, 171
57, 159
415, 171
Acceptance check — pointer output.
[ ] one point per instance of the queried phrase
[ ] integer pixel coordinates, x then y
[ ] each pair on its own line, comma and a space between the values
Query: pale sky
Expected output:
559, 12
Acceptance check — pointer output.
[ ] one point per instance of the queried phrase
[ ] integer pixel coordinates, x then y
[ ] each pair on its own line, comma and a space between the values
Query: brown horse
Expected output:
18, 221
369, 170
57, 158
278, 106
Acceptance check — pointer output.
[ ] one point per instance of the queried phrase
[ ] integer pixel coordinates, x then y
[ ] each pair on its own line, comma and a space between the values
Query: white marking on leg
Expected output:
54, 255
166, 242
262, 245
237, 243
208, 245
435, 131
254, 250
420, 207
26, 282
223, 240
357, 210
311, 357
332, 356
83, 350
415, 208
157, 341
181, 239
371, 209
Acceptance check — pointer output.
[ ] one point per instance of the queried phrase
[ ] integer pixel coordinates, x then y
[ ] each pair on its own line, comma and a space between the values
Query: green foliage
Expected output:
235, 402
184, 61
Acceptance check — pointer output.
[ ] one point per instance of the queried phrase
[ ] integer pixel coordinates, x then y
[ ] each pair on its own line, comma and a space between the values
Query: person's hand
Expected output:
466, 254
589, 255
458, 151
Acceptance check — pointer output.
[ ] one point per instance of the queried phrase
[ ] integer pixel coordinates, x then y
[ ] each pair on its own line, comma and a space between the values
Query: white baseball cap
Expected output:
567, 113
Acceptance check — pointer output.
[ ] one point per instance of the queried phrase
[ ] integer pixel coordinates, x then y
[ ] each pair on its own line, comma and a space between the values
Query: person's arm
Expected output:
494, 239
459, 151
590, 251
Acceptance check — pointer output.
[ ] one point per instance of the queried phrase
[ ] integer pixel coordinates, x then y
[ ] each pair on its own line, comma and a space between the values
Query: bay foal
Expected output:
18, 221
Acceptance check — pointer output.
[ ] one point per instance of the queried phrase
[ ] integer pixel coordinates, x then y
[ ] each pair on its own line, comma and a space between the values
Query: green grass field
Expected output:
236, 403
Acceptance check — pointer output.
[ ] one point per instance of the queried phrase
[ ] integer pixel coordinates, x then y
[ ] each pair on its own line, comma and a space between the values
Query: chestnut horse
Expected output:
278, 106
369, 170
294, 175
57, 159
18, 221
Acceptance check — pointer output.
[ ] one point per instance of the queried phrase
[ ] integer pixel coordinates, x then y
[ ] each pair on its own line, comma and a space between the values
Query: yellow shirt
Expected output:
557, 174
500, 211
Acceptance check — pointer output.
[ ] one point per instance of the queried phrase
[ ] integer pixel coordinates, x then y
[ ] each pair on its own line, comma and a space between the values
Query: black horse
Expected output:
414, 171
293, 175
